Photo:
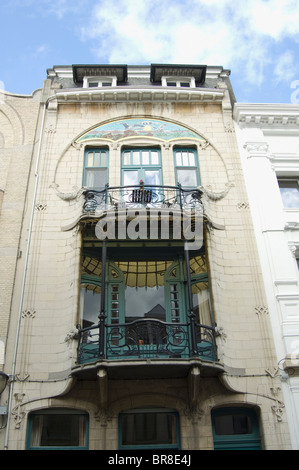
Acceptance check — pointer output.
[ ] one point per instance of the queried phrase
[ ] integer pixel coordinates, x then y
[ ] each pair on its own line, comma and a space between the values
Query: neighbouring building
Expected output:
133, 312
268, 136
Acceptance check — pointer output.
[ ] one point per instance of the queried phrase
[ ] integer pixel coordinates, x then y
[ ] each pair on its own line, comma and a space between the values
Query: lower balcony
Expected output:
147, 348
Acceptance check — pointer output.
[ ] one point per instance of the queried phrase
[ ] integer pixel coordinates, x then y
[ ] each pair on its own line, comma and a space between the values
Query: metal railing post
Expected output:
190, 302
102, 315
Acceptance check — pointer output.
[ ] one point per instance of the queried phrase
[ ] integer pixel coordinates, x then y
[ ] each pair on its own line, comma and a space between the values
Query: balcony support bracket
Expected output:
103, 388
193, 386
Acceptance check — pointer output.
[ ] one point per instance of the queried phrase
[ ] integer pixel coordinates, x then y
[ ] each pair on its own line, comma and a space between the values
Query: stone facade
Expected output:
269, 149
40, 309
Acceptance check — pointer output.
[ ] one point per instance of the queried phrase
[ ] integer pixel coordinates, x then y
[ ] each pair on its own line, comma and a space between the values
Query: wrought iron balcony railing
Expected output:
149, 196
144, 339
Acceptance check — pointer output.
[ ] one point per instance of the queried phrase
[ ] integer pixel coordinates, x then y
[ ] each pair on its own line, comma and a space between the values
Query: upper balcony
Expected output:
174, 198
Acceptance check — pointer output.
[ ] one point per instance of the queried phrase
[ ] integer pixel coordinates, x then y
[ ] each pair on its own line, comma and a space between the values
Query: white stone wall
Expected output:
268, 150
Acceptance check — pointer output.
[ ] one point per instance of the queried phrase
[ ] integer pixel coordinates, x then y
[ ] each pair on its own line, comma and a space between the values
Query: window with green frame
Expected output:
54, 429
235, 429
186, 167
149, 429
141, 164
96, 163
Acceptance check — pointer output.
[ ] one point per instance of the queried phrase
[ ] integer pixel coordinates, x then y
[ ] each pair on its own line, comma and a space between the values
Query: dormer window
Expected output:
184, 82
95, 82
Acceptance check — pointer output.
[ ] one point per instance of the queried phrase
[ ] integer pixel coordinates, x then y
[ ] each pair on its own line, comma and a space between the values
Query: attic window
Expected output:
95, 82
184, 82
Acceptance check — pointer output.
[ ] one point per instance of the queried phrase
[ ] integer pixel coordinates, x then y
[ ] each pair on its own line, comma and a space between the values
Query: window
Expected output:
57, 429
289, 190
235, 429
186, 167
95, 168
92, 82
141, 164
185, 82
149, 429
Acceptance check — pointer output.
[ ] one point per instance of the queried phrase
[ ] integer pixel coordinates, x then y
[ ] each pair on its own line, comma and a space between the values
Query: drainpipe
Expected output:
24, 280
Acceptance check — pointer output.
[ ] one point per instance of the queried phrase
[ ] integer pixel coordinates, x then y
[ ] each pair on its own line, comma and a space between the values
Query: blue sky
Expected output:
258, 40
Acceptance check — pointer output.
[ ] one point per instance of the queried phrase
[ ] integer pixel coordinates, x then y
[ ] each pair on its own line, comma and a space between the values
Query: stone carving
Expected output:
261, 310
76, 194
28, 313
16, 411
194, 414
216, 196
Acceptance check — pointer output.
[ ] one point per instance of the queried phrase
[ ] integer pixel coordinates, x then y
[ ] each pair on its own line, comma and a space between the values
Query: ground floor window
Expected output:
149, 428
235, 429
57, 429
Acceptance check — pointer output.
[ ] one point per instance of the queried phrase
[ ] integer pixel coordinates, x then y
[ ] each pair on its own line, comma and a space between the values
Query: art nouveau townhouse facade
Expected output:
268, 137
133, 312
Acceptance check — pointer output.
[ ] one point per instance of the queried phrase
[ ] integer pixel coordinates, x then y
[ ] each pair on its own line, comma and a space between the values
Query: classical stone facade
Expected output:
194, 369
269, 149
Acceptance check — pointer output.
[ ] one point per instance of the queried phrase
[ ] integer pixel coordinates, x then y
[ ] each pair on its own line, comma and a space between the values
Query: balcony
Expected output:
146, 339
141, 196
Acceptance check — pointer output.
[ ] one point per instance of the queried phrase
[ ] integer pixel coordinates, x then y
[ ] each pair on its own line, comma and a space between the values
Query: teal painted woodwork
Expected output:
235, 429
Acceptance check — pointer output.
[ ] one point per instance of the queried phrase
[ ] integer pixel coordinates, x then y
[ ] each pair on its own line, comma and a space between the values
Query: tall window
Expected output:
95, 168
57, 429
141, 164
149, 429
186, 167
289, 190
235, 429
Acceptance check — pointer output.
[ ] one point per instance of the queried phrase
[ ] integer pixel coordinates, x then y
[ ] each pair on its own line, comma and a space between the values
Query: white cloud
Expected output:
285, 69
237, 35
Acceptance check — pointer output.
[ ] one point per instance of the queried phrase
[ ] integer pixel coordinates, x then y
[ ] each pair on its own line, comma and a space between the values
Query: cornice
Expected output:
138, 94
267, 116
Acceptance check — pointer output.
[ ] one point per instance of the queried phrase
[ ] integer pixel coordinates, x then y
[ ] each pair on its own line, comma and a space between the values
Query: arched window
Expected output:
235, 429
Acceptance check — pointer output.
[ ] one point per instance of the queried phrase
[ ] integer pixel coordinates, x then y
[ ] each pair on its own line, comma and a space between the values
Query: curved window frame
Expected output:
54, 412
188, 165
91, 162
236, 441
172, 412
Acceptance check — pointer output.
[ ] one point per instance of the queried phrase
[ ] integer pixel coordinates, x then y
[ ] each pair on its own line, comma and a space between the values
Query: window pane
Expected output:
185, 84
96, 178
91, 305
97, 159
127, 158
130, 178
152, 177
103, 160
90, 159
155, 158
148, 429
289, 191
136, 158
232, 424
145, 158
187, 177
58, 430
185, 159
179, 158
191, 159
